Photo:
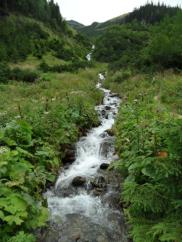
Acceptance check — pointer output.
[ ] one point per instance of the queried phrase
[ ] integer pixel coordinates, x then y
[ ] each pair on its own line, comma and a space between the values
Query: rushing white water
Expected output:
90, 154
89, 55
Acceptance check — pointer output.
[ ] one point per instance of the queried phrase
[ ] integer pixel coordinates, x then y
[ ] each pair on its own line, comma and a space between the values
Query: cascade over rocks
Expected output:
85, 206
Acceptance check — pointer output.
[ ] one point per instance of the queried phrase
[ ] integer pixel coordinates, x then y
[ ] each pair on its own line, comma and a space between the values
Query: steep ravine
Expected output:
84, 205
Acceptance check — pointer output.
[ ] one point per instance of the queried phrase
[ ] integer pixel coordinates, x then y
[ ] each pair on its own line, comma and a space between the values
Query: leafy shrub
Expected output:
19, 132
166, 43
22, 237
23, 75
44, 67
149, 142
122, 75
65, 54
75, 65
4, 72
26, 166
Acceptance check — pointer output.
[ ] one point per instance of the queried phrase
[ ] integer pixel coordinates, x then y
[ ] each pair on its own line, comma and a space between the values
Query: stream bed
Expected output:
85, 202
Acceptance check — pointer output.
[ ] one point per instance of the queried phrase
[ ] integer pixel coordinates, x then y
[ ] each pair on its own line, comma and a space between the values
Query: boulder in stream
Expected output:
114, 95
99, 182
78, 181
110, 132
104, 166
103, 112
69, 153
107, 107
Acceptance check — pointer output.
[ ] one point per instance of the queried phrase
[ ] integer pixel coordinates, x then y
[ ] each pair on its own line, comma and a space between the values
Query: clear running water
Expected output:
91, 151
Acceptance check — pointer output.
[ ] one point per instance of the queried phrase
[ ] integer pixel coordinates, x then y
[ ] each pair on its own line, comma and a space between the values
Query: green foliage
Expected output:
29, 39
166, 44
120, 45
46, 11
121, 76
22, 36
73, 66
151, 13
23, 75
149, 142
143, 47
22, 237
23, 175
32, 140
4, 72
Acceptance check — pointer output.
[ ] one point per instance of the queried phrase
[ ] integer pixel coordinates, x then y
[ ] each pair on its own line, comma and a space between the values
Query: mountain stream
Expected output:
85, 202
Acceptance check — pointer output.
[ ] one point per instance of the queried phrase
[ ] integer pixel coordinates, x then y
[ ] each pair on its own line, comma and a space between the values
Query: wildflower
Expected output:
3, 150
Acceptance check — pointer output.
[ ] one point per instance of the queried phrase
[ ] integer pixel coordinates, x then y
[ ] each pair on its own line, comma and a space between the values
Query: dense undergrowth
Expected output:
149, 140
36, 123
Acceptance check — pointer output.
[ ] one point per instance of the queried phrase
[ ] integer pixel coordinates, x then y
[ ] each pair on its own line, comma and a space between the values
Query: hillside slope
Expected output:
96, 29
76, 25
147, 14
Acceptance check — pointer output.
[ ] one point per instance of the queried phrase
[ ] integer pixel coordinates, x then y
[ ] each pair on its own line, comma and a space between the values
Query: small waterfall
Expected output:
89, 55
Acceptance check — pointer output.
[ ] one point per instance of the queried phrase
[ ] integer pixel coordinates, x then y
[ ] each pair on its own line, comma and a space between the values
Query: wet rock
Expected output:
104, 166
114, 95
103, 112
110, 132
69, 153
107, 108
115, 157
104, 135
76, 236
99, 182
107, 146
113, 199
77, 226
78, 181
98, 192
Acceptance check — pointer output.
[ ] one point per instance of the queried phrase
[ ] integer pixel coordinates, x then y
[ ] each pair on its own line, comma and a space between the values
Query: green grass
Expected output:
165, 88
33, 62
148, 141
53, 87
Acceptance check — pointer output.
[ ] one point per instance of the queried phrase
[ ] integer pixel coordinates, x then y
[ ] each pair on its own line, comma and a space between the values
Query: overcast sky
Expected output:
88, 11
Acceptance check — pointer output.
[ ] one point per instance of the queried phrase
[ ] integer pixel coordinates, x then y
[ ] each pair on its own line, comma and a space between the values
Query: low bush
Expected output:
121, 76
149, 143
73, 66
4, 72
23, 75
24, 174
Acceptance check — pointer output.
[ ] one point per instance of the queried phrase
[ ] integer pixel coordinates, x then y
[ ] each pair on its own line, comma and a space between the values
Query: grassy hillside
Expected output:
147, 15
76, 25
96, 29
